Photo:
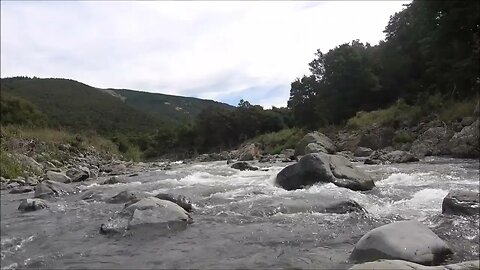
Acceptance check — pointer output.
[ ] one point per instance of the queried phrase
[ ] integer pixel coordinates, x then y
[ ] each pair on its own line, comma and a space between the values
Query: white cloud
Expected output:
205, 49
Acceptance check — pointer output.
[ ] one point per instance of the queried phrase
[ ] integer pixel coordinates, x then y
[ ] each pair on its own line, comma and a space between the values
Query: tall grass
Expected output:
275, 142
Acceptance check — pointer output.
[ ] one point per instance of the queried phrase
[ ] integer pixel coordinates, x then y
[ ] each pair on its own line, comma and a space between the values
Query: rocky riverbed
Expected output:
239, 219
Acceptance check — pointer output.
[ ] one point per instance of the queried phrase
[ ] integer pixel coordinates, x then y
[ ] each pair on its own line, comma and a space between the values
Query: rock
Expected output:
362, 152
314, 148
32, 204
403, 240
377, 138
314, 137
58, 177
18, 190
182, 201
29, 162
243, 166
398, 156
461, 202
56, 163
49, 188
466, 142
289, 153
32, 181
12, 185
321, 167
249, 152
78, 175
344, 206
113, 180
148, 214
432, 142
127, 196
467, 121
404, 265
213, 157
114, 169
91, 195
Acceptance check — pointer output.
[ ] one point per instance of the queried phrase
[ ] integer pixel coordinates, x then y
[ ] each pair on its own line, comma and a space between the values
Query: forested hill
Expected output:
74, 105
173, 108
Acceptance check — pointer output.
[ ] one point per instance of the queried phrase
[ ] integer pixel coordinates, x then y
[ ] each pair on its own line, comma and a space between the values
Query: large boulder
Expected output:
462, 202
321, 167
362, 152
403, 240
249, 152
148, 214
244, 166
58, 177
127, 196
404, 265
432, 142
48, 189
32, 204
466, 142
314, 137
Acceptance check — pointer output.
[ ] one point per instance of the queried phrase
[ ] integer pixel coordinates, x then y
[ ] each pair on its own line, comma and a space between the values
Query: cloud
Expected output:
218, 50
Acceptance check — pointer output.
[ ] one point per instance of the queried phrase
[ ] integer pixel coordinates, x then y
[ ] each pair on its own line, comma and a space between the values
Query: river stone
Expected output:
32, 204
181, 200
461, 202
314, 137
362, 152
249, 152
321, 167
91, 195
314, 148
404, 240
50, 188
21, 189
404, 265
149, 213
58, 177
127, 196
398, 156
466, 142
77, 175
243, 166
113, 180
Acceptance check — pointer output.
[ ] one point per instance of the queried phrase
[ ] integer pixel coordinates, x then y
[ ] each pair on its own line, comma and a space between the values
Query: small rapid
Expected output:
241, 219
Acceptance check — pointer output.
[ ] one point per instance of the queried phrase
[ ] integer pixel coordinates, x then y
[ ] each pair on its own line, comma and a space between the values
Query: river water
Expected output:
242, 220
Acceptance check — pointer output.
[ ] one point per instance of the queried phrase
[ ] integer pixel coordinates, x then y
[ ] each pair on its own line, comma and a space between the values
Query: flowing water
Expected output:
241, 220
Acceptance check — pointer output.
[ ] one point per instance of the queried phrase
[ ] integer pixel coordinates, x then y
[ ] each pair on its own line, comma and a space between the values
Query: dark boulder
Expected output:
320, 167
32, 204
402, 240
461, 202
243, 166
48, 188
181, 200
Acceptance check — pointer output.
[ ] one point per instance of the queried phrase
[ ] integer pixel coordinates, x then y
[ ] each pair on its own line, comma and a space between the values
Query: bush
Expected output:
404, 137
9, 168
453, 110
275, 142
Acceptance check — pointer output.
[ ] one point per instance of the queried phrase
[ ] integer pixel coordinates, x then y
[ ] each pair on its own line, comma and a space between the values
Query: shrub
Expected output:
275, 142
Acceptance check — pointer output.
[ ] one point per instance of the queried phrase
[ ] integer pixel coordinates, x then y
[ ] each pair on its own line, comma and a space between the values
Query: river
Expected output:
241, 220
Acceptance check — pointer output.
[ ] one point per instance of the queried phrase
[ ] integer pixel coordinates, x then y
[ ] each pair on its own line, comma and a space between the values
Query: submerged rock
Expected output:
32, 204
404, 240
181, 200
461, 202
243, 166
48, 188
148, 214
404, 265
320, 167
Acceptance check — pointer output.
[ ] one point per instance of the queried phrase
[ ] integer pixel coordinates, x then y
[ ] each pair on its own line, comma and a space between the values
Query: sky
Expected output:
220, 50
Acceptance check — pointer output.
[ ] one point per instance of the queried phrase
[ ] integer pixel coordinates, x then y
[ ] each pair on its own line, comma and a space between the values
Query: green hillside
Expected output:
171, 108
77, 106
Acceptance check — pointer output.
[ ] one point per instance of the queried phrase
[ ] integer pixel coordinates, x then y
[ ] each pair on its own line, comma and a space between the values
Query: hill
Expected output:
78, 106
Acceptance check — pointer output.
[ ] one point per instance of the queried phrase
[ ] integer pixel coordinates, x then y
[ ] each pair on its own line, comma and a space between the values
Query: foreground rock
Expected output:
461, 202
403, 240
321, 143
48, 189
466, 142
404, 265
127, 196
320, 167
244, 166
32, 205
148, 214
